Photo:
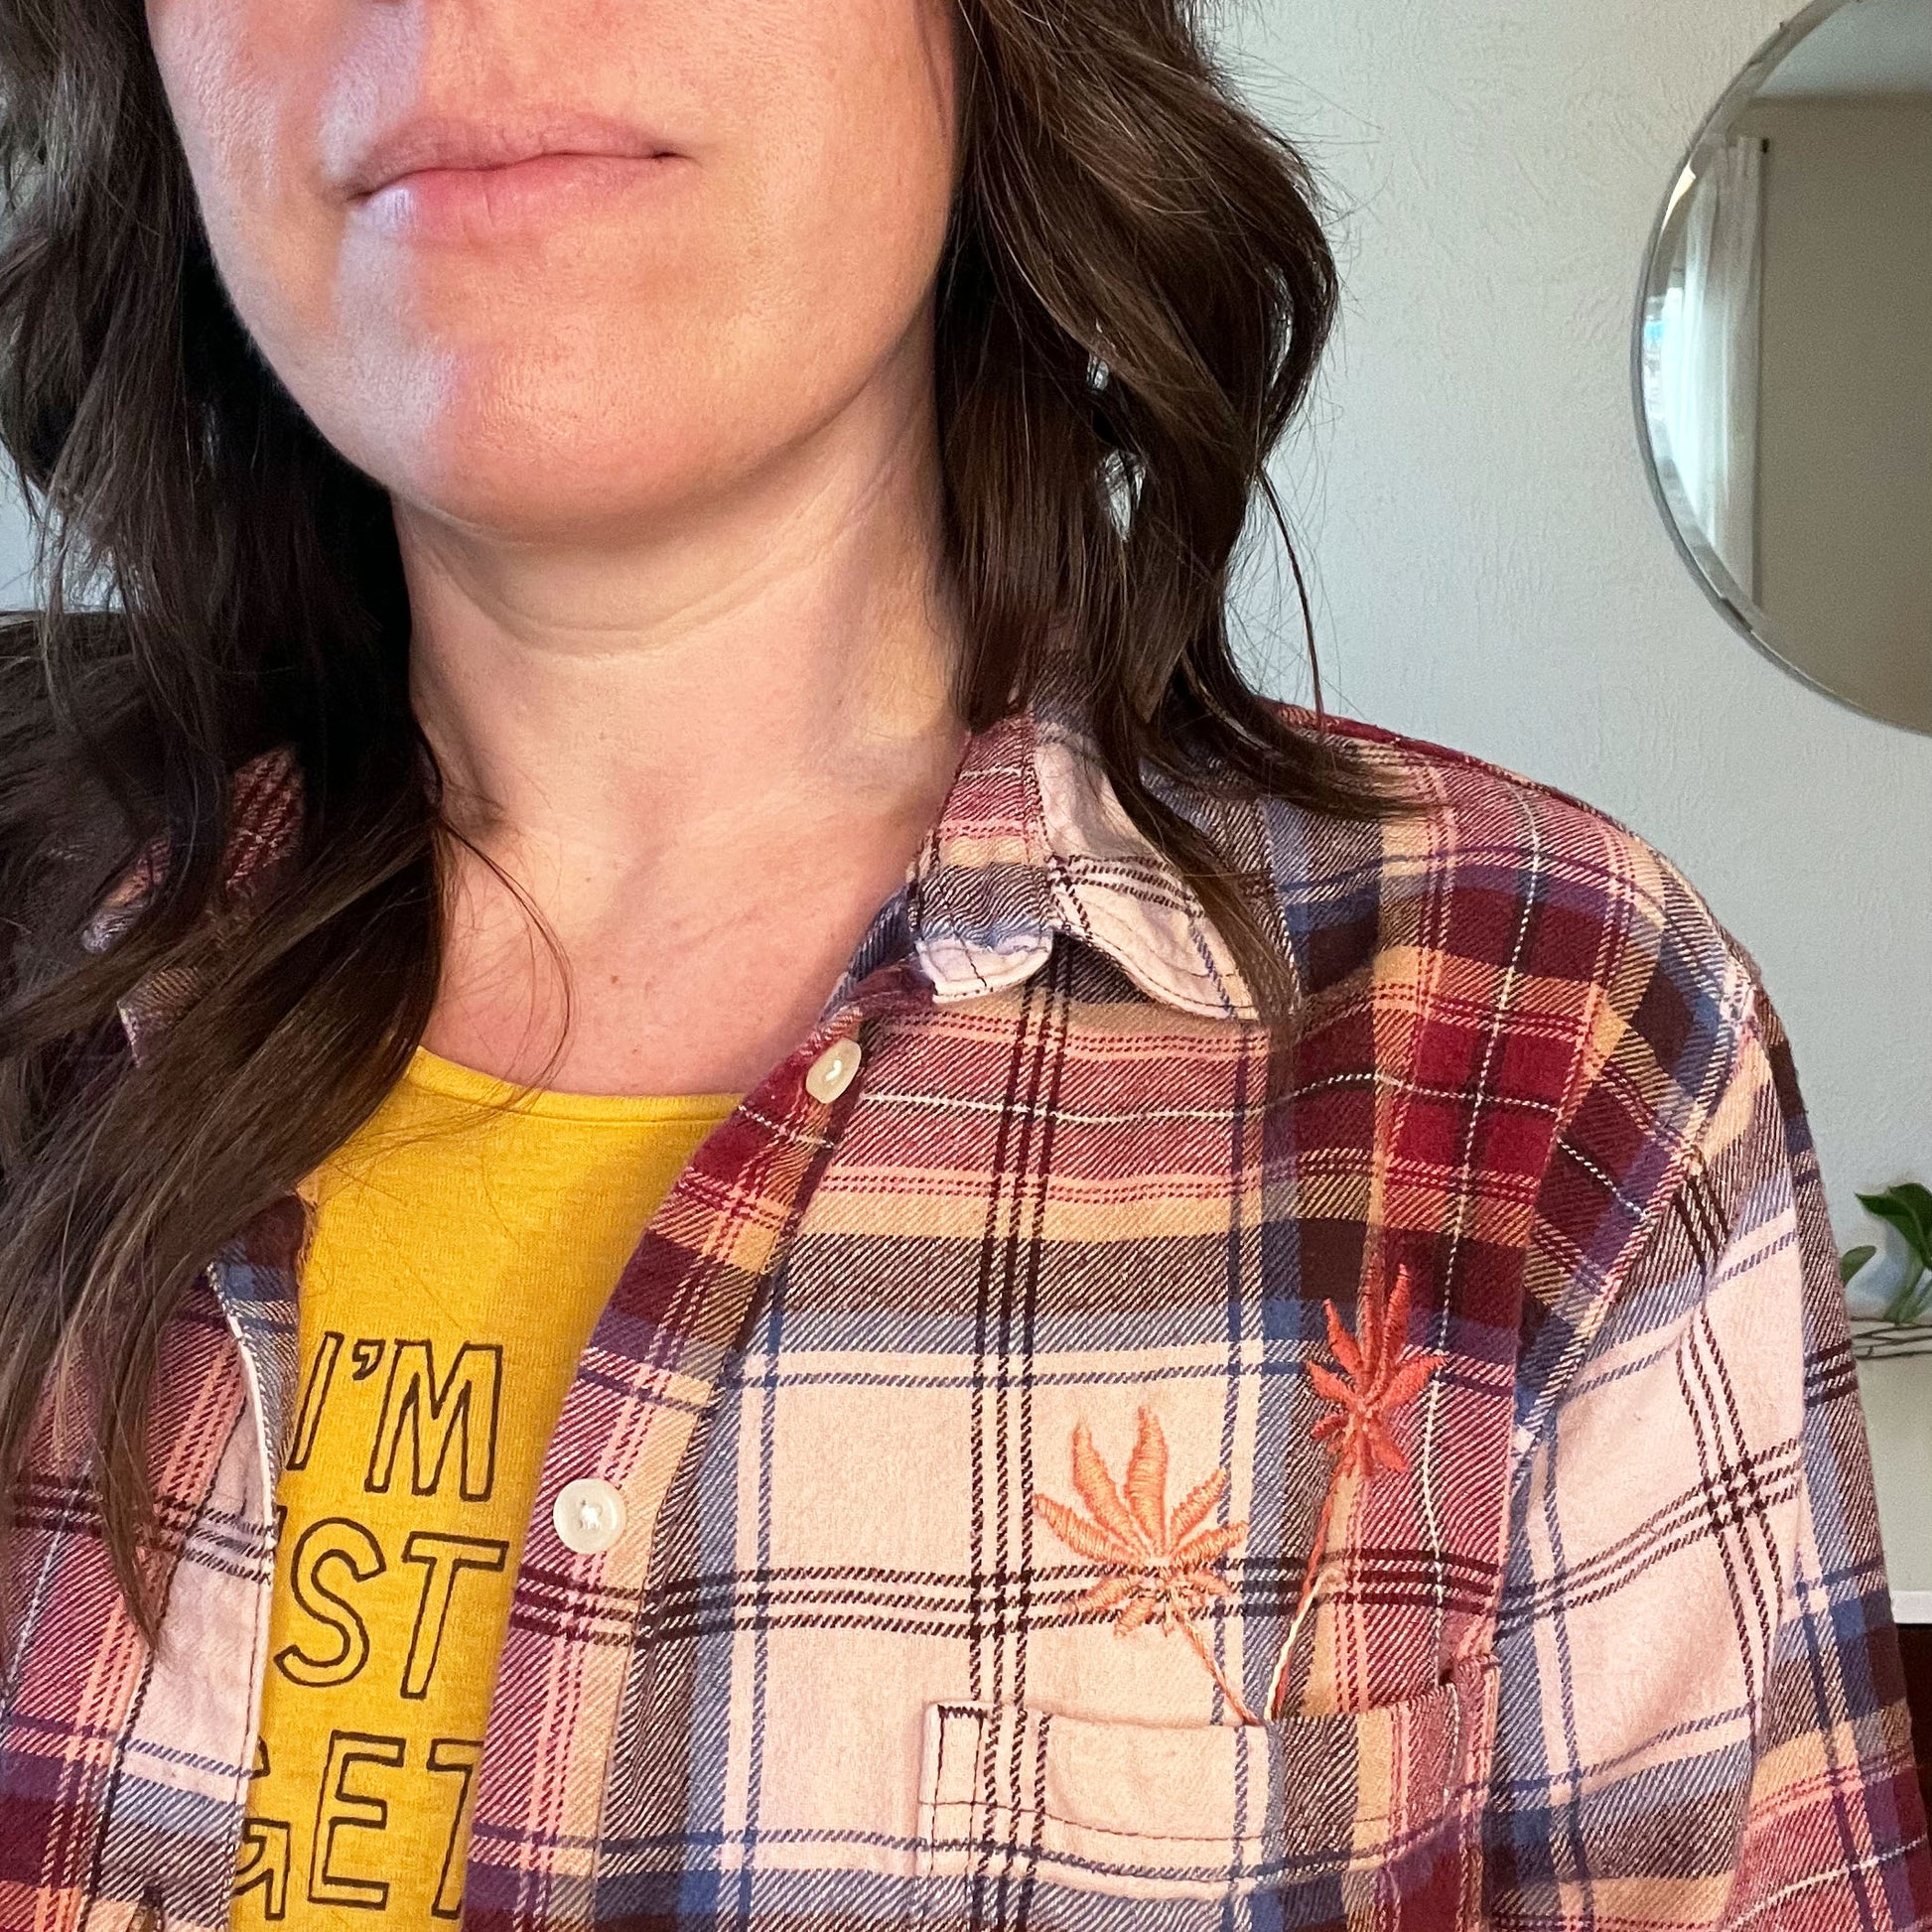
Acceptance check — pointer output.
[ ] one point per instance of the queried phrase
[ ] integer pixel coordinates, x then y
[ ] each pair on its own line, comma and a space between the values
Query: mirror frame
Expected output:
1733, 603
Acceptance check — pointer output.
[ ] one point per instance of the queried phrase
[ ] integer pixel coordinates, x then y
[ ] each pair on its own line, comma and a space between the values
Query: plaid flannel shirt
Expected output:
1565, 1505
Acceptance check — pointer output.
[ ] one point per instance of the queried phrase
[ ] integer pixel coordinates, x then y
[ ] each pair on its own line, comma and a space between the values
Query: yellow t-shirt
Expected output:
465, 1243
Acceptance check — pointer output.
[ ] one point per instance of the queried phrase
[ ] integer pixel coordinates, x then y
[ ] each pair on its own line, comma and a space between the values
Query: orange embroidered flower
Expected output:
1380, 1376
1163, 1566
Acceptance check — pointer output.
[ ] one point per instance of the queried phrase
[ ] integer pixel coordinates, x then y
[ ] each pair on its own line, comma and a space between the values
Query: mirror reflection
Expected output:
1785, 353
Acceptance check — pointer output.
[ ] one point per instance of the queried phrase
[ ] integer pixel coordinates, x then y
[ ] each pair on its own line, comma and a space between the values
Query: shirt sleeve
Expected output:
1702, 1718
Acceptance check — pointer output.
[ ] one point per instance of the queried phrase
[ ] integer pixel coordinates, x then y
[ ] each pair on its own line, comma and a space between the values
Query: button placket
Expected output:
779, 1140
588, 1512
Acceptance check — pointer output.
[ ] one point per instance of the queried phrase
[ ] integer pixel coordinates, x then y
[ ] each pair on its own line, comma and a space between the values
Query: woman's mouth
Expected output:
461, 181
464, 203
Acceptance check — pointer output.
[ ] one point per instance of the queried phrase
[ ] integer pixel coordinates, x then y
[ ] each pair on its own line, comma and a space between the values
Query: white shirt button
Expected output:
832, 1072
589, 1515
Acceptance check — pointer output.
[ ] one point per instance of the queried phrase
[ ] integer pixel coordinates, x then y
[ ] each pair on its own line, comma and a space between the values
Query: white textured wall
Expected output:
16, 552
1491, 569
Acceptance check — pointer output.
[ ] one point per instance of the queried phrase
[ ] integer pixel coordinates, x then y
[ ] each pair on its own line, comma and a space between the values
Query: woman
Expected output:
731, 1197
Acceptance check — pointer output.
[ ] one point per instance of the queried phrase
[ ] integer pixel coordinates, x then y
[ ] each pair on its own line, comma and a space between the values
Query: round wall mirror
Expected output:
1784, 354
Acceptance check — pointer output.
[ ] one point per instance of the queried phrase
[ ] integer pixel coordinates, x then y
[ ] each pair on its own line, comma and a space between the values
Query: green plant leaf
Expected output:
1910, 1304
1918, 1204
1851, 1260
1908, 1209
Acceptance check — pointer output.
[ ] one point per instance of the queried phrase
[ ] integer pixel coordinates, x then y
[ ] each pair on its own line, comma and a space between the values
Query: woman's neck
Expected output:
702, 755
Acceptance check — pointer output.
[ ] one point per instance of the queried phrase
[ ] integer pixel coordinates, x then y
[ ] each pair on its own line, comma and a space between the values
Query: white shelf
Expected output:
1911, 1605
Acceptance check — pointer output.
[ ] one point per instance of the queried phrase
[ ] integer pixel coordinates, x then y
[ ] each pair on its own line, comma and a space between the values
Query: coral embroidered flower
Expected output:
1381, 1375
1163, 1566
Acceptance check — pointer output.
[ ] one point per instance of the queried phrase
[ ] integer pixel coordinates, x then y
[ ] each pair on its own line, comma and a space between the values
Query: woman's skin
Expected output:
655, 411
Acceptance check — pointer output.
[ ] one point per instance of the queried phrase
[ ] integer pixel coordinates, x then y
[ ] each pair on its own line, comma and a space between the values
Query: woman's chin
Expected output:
546, 489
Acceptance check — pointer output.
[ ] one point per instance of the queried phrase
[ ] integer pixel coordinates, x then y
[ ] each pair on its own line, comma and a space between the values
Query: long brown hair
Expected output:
1133, 295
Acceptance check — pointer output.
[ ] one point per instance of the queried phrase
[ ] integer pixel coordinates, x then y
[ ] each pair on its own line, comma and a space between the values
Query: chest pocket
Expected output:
1372, 1819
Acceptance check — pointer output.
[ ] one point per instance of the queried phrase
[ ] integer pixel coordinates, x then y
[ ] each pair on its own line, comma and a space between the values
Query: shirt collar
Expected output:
1030, 844
1033, 843
266, 828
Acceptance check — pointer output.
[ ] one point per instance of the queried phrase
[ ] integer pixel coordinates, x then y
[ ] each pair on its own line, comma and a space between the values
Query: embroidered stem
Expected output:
1214, 1670
1278, 1683
1376, 1376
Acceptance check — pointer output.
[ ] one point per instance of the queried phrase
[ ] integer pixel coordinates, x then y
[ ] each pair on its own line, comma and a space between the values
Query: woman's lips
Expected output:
520, 196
